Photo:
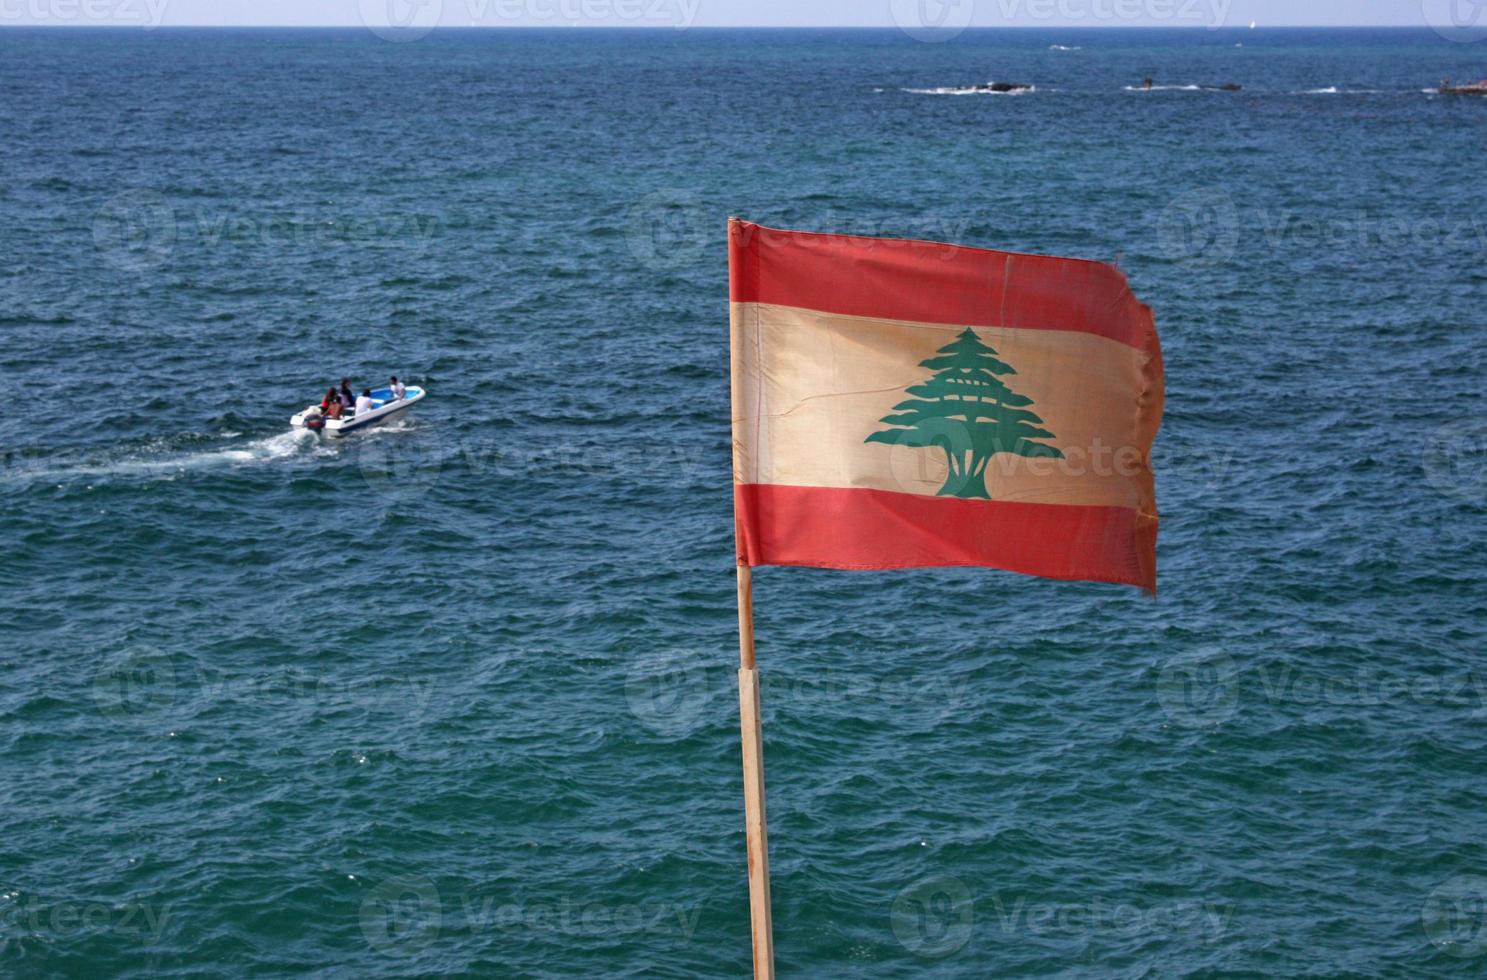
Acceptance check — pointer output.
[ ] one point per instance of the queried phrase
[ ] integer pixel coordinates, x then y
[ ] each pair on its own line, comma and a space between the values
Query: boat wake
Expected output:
159, 461
1334, 90
292, 443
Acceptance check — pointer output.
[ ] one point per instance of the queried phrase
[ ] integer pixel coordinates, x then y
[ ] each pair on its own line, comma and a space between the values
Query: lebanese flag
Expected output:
905, 404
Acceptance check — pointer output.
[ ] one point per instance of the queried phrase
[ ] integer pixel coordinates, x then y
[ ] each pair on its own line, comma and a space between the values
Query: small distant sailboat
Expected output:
1252, 24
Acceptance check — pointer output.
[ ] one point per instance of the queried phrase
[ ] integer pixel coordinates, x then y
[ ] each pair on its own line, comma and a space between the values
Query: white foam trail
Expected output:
170, 465
1334, 90
1064, 47
274, 447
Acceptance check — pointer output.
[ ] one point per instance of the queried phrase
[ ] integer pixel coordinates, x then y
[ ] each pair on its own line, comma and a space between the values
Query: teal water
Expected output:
458, 697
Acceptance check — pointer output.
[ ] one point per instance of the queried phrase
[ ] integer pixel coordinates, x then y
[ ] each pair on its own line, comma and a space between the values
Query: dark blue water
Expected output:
457, 697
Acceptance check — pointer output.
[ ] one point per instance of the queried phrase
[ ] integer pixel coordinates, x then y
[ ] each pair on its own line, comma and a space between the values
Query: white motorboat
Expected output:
384, 407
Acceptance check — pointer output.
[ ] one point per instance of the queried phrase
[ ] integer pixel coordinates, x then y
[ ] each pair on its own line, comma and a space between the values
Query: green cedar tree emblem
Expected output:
969, 413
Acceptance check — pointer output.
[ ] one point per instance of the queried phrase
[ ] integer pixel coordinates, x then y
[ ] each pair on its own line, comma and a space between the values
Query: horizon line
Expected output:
570, 26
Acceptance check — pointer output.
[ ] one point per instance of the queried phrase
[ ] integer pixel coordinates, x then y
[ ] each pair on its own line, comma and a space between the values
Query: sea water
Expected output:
457, 696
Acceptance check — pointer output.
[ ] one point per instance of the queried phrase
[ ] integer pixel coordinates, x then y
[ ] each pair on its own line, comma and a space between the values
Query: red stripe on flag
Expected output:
825, 527
932, 282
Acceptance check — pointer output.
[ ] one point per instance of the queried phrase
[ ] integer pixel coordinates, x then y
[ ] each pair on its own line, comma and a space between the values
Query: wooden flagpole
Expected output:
755, 822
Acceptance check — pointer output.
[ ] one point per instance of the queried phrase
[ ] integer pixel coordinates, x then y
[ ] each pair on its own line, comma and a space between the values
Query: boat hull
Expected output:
1470, 88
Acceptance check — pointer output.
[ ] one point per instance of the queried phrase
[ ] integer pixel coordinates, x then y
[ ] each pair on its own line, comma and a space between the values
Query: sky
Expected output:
911, 15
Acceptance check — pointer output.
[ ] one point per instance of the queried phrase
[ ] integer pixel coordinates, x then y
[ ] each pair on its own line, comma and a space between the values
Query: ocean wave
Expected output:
1064, 47
54, 320
54, 184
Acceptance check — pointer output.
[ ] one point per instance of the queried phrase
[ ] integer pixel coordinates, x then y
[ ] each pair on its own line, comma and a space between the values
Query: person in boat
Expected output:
364, 403
347, 398
331, 407
398, 391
